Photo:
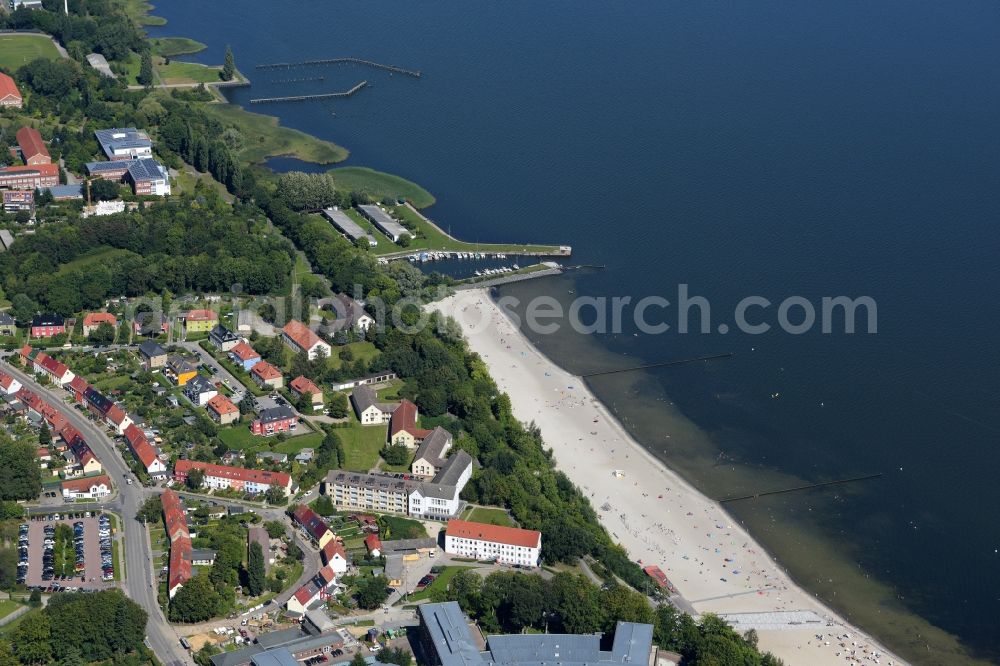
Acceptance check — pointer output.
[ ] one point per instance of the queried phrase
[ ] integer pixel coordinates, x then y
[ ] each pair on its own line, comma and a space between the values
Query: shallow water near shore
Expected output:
775, 149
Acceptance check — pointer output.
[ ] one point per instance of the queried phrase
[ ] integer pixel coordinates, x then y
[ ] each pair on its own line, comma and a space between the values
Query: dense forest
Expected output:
180, 246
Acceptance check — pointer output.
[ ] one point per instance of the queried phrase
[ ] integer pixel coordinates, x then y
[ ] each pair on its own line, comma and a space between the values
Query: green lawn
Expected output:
361, 445
7, 607
293, 445
175, 46
238, 437
397, 527
490, 516
364, 350
187, 72
17, 50
99, 256
138, 11
439, 583
429, 237
264, 137
379, 185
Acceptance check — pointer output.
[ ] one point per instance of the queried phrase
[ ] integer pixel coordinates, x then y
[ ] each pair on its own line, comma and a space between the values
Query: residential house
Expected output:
90, 487
46, 325
314, 592
403, 428
150, 324
31, 146
302, 386
199, 390
124, 143
180, 370
368, 410
432, 453
243, 356
8, 384
105, 409
41, 363
222, 410
272, 457
9, 94
152, 355
300, 338
252, 481
144, 452
78, 388
274, 420
335, 555
351, 314
93, 320
305, 456
222, 338
374, 378
506, 545
29, 176
266, 375
313, 524
374, 545
7, 325
179, 569
200, 321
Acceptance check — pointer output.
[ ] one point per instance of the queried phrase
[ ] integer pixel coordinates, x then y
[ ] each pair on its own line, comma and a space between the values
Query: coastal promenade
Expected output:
657, 516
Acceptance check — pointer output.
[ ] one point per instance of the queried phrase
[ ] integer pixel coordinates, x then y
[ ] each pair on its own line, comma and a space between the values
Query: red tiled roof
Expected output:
173, 514
265, 371
51, 366
237, 473
300, 334
42, 452
139, 445
6, 380
404, 417
98, 318
222, 405
243, 351
333, 548
79, 384
303, 385
8, 87
86, 483
372, 542
201, 315
311, 521
116, 415
512, 536
180, 562
42, 169
30, 142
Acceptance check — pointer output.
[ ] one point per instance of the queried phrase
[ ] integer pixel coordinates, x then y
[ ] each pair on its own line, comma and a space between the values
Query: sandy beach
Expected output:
660, 519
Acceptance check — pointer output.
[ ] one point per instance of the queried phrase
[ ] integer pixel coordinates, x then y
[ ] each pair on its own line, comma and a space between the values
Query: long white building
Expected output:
508, 545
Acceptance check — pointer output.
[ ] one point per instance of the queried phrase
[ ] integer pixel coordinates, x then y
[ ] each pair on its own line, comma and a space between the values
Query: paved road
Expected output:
239, 391
139, 582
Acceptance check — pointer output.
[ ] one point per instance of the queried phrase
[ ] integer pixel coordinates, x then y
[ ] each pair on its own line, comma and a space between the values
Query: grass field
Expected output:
186, 72
138, 11
237, 437
264, 137
361, 445
99, 256
429, 237
169, 47
7, 607
488, 515
17, 50
379, 185
364, 350
438, 584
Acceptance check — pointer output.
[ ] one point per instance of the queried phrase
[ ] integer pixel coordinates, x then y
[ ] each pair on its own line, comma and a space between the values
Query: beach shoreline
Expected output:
655, 514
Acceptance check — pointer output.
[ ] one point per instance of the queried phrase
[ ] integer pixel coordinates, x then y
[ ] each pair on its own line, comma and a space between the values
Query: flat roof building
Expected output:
384, 222
347, 226
124, 143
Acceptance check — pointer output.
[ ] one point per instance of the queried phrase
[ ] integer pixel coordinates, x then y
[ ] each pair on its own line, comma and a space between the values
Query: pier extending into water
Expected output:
307, 98
339, 61
658, 365
306, 79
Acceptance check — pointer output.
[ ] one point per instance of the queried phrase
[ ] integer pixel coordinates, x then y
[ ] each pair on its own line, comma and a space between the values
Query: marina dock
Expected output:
307, 98
340, 61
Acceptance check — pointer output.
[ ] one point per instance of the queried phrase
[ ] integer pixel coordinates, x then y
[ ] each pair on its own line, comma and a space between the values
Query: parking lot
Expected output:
91, 576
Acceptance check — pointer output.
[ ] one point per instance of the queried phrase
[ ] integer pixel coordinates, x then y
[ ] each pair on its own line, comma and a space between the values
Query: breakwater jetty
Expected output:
809, 486
343, 61
472, 283
305, 79
307, 98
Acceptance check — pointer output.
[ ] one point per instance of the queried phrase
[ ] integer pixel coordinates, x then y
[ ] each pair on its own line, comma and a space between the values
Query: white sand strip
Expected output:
658, 517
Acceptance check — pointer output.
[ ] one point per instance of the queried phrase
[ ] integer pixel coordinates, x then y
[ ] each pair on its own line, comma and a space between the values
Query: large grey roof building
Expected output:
347, 226
448, 641
383, 222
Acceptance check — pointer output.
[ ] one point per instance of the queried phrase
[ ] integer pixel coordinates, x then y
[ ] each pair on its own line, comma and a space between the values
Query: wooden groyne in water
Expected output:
659, 365
798, 488
307, 98
307, 79
339, 61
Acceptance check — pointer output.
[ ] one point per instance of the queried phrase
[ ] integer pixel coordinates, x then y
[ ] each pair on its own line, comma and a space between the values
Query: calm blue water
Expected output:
771, 148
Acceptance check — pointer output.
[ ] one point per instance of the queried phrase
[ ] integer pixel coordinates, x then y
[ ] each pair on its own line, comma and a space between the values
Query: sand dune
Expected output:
660, 519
